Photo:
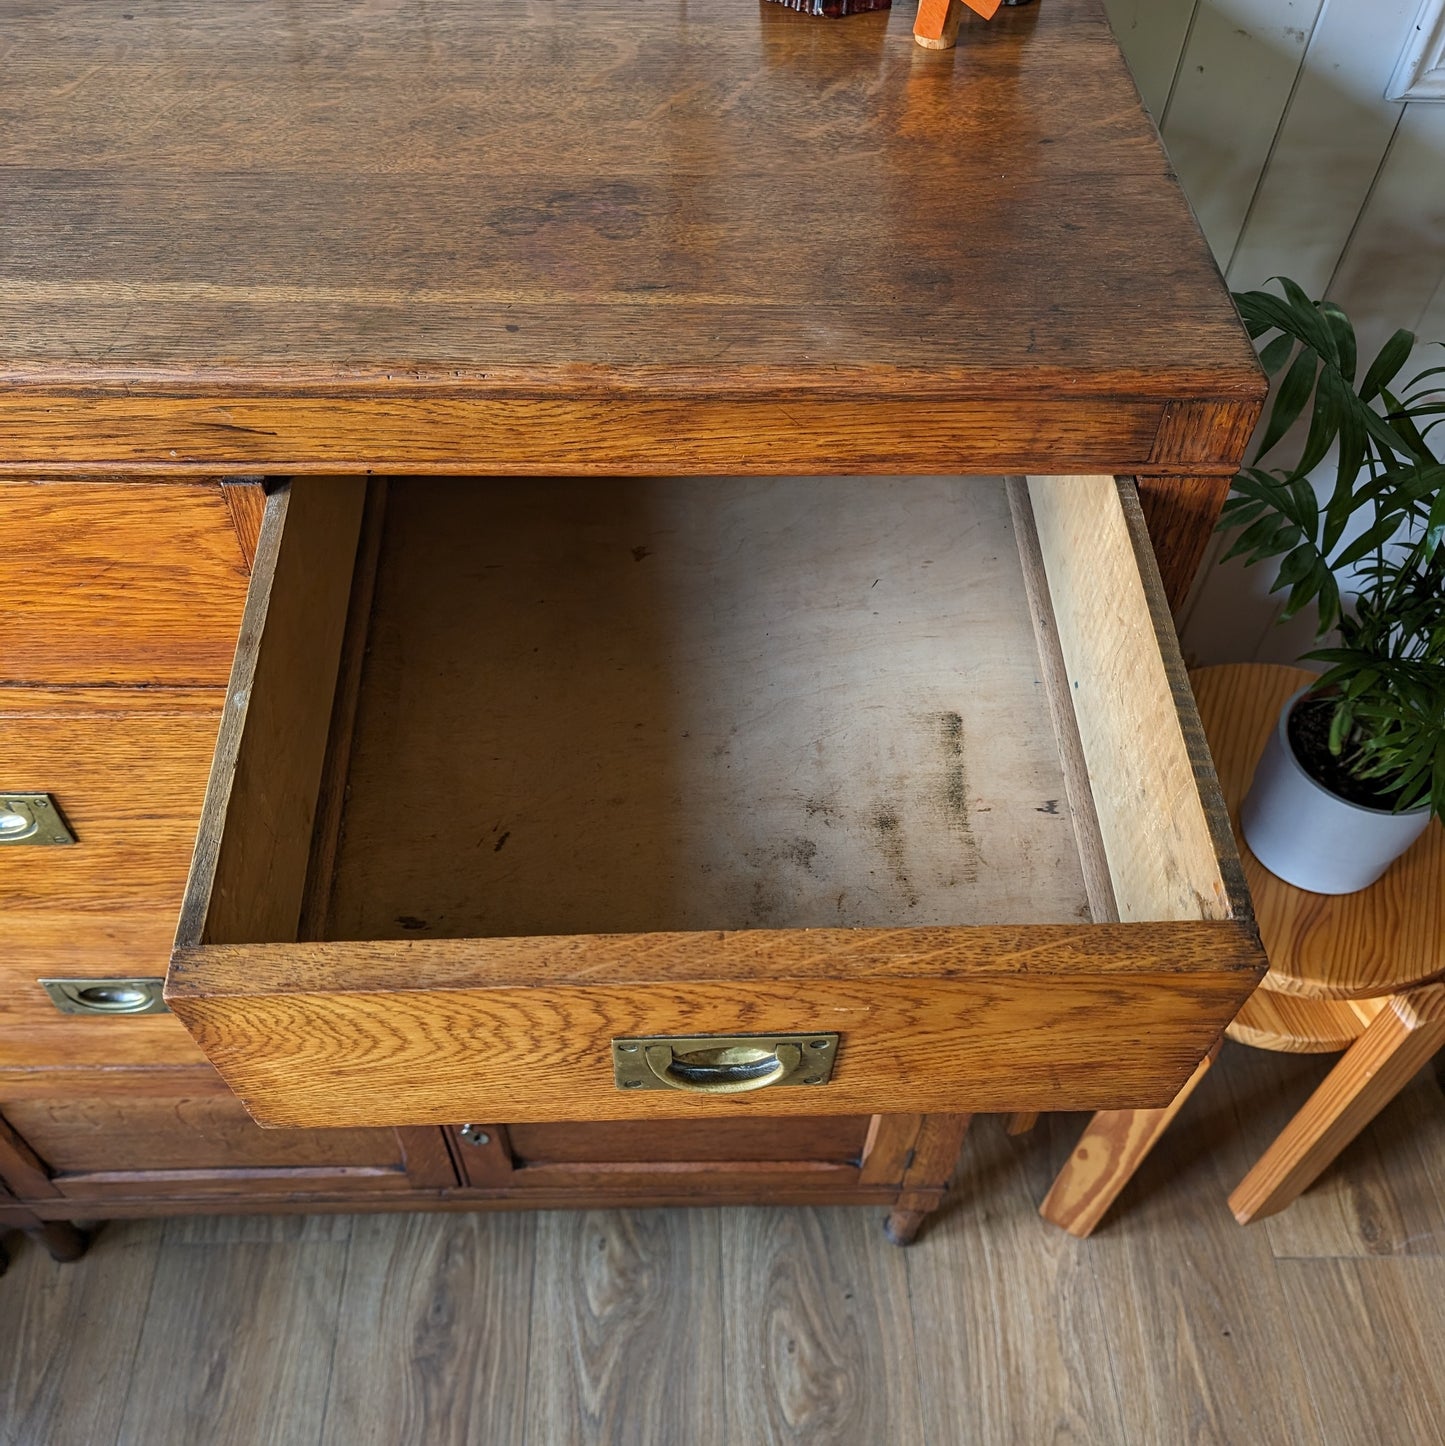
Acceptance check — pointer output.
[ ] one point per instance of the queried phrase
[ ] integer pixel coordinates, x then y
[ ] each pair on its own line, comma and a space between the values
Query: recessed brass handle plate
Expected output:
32, 819
723, 1064
107, 996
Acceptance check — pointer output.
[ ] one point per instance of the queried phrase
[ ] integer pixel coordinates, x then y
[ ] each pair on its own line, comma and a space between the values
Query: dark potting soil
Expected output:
1308, 731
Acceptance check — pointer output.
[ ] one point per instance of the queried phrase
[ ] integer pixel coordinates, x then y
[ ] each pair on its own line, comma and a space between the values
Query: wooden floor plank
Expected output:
1195, 1324
236, 1346
69, 1337
819, 1346
1007, 1325
627, 1330
432, 1341
1369, 1340
258, 1229
1384, 1195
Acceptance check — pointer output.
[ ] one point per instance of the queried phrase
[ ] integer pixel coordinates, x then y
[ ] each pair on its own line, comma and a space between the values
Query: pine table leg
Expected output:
1112, 1147
1380, 1063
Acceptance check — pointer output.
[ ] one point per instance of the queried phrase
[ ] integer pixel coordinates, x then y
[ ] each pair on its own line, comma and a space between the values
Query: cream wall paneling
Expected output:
1277, 118
1421, 72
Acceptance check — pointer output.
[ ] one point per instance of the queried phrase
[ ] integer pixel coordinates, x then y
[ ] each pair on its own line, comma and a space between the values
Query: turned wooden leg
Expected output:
1112, 1147
1021, 1123
925, 1181
62, 1240
1375, 1068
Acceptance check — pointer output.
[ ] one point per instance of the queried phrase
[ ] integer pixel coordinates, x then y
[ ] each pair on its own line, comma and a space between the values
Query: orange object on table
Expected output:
936, 27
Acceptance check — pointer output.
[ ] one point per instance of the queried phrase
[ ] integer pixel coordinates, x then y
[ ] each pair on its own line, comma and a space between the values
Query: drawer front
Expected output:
1009, 993
119, 582
129, 784
1025, 1019
128, 772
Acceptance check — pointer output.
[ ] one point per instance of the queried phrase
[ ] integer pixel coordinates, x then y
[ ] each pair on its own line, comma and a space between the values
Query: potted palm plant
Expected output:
1356, 768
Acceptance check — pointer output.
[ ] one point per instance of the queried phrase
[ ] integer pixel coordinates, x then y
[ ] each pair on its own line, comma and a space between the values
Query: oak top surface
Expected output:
624, 195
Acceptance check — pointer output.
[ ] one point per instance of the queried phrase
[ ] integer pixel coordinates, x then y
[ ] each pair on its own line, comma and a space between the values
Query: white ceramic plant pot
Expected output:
1312, 838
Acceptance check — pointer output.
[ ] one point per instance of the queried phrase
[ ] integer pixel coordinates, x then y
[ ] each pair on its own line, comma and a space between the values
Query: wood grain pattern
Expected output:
1093, 856
1297, 1025
117, 1133
49, 1343
115, 582
581, 435
270, 753
1112, 1148
1368, 1345
1027, 1360
1348, 946
1403, 1036
625, 1351
550, 973
1173, 1325
210, 1299
128, 769
314, 920
838, 1139
937, 22
799, 1301
1385, 1196
1181, 513
928, 1175
1212, 431
639, 706
24, 1174
458, 1291
888, 1148
1227, 1366
520, 1029
1125, 704
246, 502
343, 255
130, 778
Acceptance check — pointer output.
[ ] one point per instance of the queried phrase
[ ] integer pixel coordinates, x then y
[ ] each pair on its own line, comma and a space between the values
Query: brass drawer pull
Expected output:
723, 1065
106, 996
32, 818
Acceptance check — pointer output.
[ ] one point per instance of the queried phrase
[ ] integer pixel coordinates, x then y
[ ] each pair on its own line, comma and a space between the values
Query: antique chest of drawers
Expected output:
571, 559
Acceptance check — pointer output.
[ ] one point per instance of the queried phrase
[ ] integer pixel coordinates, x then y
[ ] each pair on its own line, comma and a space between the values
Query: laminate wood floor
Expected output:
724, 1327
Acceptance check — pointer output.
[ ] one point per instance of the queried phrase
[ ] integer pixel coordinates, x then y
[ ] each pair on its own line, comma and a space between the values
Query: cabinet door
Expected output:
854, 1159
201, 1147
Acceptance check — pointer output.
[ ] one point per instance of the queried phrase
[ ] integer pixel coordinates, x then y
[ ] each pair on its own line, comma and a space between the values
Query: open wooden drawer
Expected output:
536, 766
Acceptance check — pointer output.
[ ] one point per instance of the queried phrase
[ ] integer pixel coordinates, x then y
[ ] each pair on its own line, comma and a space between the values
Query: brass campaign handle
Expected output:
730, 1070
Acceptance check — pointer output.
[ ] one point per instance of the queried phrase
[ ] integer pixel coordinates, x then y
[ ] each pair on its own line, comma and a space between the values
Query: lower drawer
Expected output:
909, 761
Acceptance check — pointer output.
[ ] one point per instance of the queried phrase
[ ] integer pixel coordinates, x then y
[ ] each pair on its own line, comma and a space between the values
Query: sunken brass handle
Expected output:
732, 1069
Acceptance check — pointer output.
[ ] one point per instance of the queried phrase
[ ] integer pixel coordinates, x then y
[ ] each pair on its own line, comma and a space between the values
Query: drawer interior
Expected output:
512, 769
676, 704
